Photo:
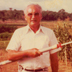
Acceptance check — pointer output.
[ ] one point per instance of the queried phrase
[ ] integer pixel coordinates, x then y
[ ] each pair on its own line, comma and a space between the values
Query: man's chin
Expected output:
33, 24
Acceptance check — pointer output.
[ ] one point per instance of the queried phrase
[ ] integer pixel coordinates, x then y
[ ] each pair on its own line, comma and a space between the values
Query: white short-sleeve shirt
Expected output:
24, 38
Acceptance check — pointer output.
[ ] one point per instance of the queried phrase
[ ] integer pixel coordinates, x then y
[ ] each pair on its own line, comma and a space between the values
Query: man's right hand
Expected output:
16, 55
34, 52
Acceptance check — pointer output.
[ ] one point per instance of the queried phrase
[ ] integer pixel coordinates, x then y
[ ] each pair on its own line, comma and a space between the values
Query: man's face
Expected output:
33, 16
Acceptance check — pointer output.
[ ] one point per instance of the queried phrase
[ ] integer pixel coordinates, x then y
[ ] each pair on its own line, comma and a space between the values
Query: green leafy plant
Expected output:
63, 35
5, 36
7, 28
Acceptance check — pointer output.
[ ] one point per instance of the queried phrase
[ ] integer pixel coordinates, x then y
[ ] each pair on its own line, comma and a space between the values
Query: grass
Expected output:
3, 44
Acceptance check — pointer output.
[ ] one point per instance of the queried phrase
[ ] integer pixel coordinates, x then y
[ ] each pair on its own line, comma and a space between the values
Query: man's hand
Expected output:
34, 52
16, 55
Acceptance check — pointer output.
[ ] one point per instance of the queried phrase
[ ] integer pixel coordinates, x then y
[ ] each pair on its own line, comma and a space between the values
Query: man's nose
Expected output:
33, 16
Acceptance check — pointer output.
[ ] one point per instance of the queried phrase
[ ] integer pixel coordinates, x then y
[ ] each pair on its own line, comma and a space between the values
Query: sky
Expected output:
51, 5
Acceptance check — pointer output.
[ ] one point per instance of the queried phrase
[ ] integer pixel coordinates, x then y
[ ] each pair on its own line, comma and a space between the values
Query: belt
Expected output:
35, 69
40, 69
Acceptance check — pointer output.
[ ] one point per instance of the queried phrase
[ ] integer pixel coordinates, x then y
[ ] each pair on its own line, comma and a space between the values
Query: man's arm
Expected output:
54, 62
16, 55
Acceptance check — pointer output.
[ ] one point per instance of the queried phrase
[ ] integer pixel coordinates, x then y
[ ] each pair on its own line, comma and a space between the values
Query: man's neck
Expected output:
35, 28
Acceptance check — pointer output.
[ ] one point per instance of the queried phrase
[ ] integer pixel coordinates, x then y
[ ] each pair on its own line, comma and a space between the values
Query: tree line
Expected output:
47, 15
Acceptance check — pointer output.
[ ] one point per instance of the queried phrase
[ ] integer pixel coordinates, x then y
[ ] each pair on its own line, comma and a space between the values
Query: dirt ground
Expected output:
13, 67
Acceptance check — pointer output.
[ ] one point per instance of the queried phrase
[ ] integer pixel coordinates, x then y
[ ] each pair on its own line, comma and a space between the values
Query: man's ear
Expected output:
41, 16
25, 17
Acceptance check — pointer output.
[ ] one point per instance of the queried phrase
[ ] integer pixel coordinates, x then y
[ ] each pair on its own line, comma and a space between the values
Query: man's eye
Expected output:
29, 14
36, 13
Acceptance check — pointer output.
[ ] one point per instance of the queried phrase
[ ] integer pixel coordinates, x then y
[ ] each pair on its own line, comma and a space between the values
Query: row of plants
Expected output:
5, 36
64, 34
10, 27
7, 28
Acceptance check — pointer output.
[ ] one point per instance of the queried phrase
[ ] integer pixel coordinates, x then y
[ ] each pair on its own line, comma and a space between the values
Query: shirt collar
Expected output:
39, 30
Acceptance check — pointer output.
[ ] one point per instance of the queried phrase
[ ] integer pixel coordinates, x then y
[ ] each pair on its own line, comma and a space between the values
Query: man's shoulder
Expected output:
21, 30
46, 30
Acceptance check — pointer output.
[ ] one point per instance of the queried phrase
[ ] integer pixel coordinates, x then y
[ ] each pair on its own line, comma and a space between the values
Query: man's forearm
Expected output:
54, 62
15, 55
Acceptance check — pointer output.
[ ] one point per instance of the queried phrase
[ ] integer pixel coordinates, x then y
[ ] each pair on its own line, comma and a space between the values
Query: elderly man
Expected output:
26, 41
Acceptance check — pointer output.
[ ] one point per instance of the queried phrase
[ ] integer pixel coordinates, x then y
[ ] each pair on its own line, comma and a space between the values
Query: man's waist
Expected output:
39, 69
34, 69
32, 65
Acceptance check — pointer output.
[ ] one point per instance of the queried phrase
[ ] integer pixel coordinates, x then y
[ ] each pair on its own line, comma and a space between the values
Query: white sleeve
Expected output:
54, 41
14, 43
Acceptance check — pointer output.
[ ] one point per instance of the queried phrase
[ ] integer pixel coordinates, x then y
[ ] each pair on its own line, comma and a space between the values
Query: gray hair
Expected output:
25, 10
